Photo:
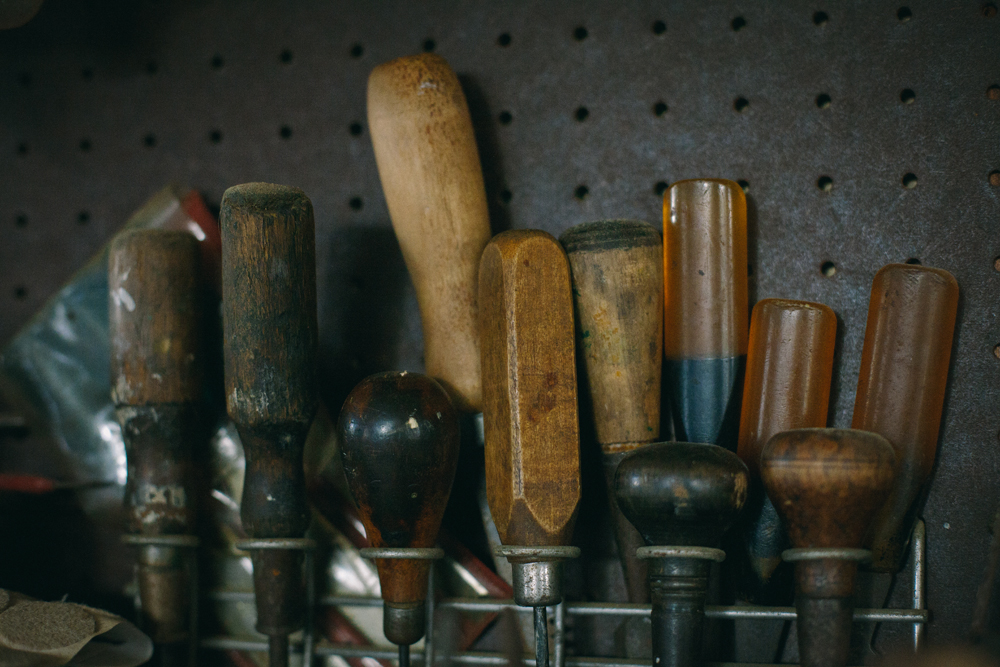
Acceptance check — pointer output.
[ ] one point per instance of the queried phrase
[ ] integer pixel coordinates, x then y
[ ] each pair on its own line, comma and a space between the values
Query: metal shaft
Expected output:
541, 638
404, 655
278, 645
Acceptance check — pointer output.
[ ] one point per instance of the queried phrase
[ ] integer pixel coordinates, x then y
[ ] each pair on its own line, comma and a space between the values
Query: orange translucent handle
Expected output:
901, 386
789, 368
705, 270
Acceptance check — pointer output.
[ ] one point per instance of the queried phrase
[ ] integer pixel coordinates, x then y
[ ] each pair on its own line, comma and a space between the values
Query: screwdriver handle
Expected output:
617, 269
529, 388
429, 166
901, 389
269, 323
399, 443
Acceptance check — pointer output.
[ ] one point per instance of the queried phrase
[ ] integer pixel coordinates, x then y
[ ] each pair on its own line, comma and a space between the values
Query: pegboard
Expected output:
863, 133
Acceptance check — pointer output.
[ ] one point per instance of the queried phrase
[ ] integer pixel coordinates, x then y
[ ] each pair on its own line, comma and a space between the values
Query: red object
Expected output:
26, 483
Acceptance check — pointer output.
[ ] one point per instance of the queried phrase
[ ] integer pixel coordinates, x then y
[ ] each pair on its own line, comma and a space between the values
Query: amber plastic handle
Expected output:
429, 167
901, 388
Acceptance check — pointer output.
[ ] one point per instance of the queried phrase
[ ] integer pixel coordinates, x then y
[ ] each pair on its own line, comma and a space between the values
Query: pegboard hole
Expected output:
355, 129
22, 221
993, 93
581, 114
581, 192
904, 14
149, 141
20, 292
739, 23
907, 96
828, 269
505, 118
660, 108
823, 101
285, 56
659, 27
912, 261
356, 203
83, 217
87, 73
217, 62
357, 51
995, 178
506, 196
429, 45
22, 148
821, 18
824, 183
504, 39
741, 104
85, 145
989, 10
580, 34
24, 79
660, 188
215, 136
285, 132
910, 181
151, 67
744, 185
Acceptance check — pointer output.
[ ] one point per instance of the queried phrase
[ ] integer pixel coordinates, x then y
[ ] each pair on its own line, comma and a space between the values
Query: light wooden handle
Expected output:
529, 389
618, 289
433, 183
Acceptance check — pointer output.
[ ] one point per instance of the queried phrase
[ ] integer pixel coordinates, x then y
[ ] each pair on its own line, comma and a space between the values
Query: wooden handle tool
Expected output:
429, 167
156, 371
617, 268
826, 484
705, 307
789, 369
399, 443
681, 497
269, 322
530, 412
901, 389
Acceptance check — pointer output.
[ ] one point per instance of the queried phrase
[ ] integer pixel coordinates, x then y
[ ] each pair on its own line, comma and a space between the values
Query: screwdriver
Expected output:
269, 321
399, 443
789, 369
530, 413
617, 268
826, 484
156, 368
682, 497
705, 307
901, 389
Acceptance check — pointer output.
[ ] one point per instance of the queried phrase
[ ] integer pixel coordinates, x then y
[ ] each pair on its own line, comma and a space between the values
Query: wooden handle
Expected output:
705, 308
901, 388
826, 484
269, 304
529, 389
153, 317
429, 167
399, 444
617, 268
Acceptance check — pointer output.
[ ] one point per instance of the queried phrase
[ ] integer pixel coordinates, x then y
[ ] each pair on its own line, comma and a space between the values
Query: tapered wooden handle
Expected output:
901, 388
269, 304
529, 383
617, 268
153, 317
429, 167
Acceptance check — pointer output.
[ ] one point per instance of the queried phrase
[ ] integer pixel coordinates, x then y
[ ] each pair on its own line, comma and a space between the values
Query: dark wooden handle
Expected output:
901, 389
399, 443
428, 163
529, 388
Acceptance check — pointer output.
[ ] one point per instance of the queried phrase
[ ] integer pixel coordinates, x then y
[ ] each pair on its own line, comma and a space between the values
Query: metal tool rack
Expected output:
863, 132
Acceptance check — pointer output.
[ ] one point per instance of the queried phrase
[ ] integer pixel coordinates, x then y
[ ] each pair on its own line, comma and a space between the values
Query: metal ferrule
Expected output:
537, 584
164, 593
404, 624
